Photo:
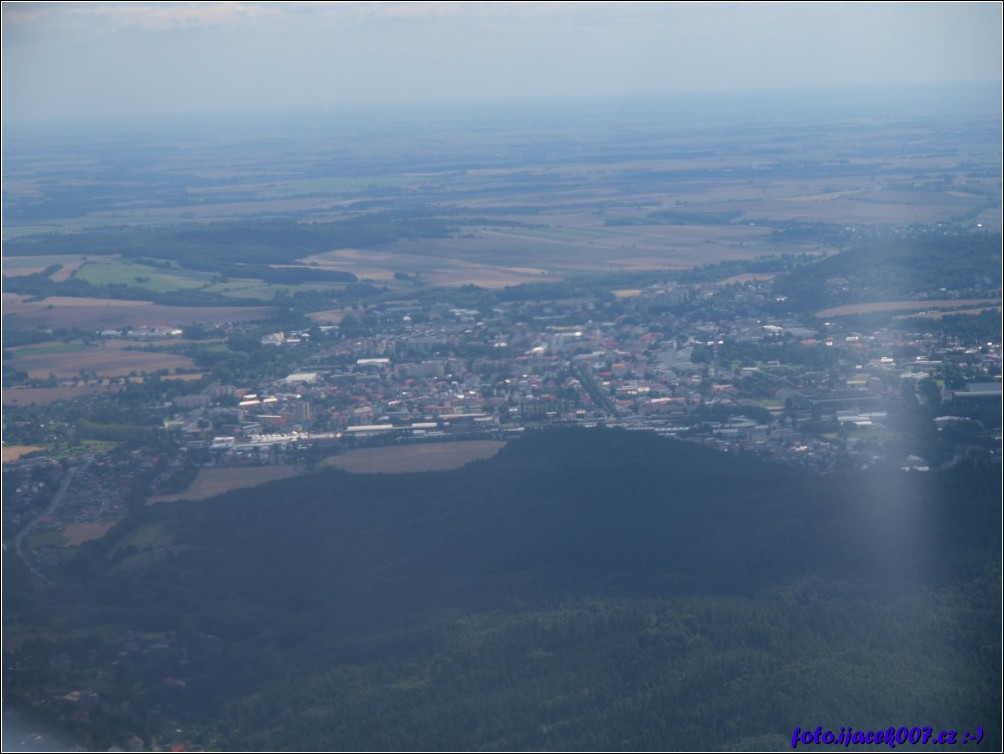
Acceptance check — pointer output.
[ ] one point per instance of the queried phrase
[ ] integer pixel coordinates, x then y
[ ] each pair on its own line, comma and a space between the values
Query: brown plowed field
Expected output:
433, 456
212, 482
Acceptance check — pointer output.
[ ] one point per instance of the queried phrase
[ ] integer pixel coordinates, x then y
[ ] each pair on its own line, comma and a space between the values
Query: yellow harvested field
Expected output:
328, 317
96, 313
77, 534
105, 362
892, 306
433, 268
13, 452
16, 272
88, 302
397, 459
43, 396
627, 292
212, 482
67, 271
939, 315
747, 277
17, 266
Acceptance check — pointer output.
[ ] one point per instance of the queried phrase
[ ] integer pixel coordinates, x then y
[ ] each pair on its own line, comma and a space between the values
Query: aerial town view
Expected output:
643, 420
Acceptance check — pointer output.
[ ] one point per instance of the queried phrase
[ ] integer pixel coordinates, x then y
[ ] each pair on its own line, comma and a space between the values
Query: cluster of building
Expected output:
45, 496
701, 362
704, 363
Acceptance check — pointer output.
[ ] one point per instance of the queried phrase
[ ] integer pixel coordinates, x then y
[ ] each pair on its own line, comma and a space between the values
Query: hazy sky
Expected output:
73, 60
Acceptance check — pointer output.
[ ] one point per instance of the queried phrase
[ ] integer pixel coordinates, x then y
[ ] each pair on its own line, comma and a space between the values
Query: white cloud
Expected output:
173, 15
106, 57
410, 11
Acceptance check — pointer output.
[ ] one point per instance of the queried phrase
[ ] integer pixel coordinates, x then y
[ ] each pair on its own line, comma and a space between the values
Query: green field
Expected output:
159, 281
138, 275
37, 546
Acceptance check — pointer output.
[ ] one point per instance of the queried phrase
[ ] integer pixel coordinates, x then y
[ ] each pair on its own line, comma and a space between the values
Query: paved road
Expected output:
57, 499
596, 393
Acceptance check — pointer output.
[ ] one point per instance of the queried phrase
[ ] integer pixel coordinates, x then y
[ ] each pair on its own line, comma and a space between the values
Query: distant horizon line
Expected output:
541, 103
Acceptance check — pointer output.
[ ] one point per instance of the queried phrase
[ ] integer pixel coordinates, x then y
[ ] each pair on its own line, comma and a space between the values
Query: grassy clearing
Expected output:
244, 289
144, 546
45, 545
98, 446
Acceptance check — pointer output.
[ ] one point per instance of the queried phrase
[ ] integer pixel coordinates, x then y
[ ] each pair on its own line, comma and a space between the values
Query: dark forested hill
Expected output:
960, 266
582, 589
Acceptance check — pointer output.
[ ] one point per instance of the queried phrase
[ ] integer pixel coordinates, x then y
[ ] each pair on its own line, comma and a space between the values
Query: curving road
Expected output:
57, 499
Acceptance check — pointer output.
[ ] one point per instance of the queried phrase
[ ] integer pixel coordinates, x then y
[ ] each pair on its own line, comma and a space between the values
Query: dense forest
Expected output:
583, 589
893, 268
219, 246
